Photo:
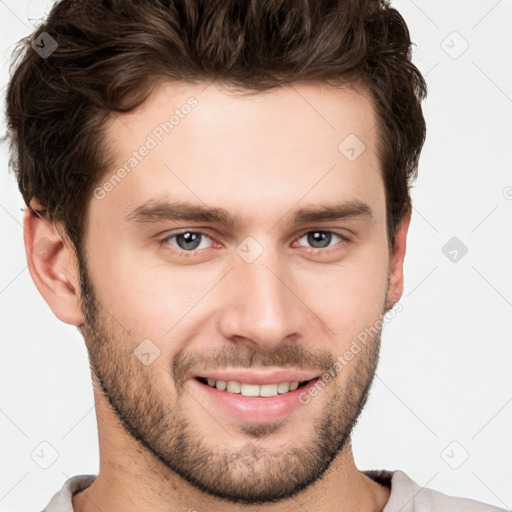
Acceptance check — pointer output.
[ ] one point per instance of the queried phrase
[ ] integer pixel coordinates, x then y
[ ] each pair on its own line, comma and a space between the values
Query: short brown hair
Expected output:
110, 54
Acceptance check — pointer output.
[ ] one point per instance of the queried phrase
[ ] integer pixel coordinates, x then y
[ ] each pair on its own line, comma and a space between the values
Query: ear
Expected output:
396, 263
53, 266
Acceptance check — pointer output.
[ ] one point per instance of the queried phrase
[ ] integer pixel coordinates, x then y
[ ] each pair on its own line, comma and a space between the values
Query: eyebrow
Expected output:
161, 210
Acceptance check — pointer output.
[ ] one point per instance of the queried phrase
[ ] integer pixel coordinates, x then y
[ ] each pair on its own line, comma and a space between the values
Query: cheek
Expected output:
157, 301
348, 297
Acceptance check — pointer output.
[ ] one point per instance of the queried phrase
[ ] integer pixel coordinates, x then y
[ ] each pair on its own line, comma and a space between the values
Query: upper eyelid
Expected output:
313, 230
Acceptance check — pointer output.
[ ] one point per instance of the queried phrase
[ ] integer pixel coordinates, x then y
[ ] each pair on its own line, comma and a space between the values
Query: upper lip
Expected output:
254, 377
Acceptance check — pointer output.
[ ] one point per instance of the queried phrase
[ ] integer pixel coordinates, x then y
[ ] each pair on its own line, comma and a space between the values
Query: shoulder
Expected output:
62, 500
407, 496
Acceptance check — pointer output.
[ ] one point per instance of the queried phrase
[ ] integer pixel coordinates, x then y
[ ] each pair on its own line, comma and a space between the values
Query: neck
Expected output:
132, 488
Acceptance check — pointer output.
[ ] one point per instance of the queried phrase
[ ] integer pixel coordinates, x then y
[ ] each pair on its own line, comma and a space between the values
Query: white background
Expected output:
443, 389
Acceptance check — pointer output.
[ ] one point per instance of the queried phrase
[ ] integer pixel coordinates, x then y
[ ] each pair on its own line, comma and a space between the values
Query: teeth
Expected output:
249, 389
233, 386
221, 384
284, 387
266, 390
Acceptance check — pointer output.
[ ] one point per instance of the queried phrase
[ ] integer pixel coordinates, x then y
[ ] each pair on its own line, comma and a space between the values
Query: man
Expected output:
218, 198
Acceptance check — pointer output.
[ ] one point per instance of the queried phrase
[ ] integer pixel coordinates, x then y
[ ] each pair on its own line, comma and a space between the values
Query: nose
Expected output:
263, 306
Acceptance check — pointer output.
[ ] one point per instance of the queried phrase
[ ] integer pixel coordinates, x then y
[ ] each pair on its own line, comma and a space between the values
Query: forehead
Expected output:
208, 143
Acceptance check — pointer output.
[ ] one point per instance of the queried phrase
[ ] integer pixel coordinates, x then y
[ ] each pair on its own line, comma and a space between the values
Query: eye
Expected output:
320, 239
187, 241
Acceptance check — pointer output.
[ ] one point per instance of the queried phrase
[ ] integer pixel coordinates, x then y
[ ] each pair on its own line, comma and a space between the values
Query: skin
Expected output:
298, 305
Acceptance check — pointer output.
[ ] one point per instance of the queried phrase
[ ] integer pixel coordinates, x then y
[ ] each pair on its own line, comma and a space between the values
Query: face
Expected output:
247, 243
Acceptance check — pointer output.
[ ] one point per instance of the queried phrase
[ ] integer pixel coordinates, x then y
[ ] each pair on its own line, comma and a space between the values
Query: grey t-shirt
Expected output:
406, 495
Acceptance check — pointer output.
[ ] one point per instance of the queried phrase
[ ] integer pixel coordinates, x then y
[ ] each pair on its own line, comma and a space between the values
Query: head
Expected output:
250, 111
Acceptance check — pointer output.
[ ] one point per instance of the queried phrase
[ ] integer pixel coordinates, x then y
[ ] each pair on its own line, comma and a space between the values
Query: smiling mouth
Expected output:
254, 390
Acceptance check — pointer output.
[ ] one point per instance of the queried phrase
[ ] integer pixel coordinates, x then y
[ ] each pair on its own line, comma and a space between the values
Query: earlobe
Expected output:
53, 267
396, 263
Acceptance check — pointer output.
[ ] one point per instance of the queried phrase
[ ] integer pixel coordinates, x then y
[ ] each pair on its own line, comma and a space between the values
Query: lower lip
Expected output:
252, 408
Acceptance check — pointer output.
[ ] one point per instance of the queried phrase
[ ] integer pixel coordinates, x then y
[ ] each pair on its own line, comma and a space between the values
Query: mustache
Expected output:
282, 356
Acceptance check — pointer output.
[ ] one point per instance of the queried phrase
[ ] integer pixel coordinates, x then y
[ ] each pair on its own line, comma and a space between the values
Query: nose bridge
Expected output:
261, 306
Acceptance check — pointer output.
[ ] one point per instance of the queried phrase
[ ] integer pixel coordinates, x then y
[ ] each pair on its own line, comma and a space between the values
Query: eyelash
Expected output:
181, 252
